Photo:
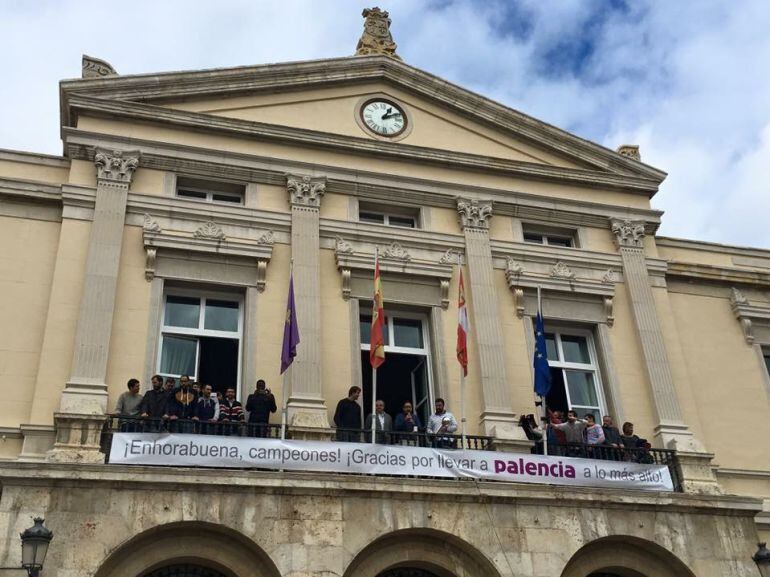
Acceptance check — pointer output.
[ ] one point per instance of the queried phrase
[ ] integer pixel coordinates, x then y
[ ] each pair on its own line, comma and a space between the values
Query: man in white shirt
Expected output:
383, 423
442, 421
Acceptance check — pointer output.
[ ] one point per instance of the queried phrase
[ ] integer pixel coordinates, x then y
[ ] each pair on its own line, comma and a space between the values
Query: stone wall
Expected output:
111, 521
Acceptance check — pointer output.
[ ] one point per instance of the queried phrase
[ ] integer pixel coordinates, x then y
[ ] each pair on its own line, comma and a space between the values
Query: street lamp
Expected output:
762, 559
34, 546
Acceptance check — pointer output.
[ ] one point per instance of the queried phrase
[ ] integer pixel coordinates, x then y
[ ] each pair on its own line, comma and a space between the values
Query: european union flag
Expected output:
542, 371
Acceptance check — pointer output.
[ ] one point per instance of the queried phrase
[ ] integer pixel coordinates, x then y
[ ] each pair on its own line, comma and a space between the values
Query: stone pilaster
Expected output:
306, 404
84, 398
671, 430
497, 417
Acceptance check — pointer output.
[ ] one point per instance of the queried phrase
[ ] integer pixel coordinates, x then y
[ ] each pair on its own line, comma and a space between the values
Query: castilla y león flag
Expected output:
290, 330
376, 340
462, 327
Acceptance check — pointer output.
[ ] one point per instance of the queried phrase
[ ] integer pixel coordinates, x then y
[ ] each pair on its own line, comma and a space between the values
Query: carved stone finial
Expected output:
149, 224
474, 213
267, 238
451, 256
210, 230
341, 246
737, 298
116, 165
512, 268
630, 151
396, 252
628, 233
96, 67
305, 191
376, 38
608, 277
561, 270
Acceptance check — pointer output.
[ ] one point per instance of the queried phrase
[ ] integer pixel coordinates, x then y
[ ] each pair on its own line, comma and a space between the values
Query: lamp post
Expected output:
762, 559
34, 546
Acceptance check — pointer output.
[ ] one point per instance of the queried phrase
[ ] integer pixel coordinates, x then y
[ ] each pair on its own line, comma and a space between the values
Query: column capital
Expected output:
115, 166
628, 233
474, 213
305, 191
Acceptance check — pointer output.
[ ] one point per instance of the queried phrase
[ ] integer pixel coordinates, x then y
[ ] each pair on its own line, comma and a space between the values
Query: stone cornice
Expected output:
29, 191
215, 164
20, 474
314, 74
34, 158
721, 274
185, 120
712, 247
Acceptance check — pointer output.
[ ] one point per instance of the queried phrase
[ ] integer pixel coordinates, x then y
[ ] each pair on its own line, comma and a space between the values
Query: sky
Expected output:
687, 81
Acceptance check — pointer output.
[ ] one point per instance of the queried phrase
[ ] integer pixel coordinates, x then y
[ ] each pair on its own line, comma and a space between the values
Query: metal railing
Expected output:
188, 426
415, 439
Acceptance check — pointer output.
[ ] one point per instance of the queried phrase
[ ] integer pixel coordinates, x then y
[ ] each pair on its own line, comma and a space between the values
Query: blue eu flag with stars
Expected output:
542, 371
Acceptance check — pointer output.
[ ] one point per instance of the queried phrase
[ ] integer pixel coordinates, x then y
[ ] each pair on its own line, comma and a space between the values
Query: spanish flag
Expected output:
376, 340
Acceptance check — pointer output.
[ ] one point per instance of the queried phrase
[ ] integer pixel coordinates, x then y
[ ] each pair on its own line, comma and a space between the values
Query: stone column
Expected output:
497, 418
84, 399
671, 430
306, 404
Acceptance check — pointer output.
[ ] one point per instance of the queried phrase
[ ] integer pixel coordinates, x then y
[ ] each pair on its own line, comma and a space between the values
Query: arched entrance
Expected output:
625, 556
188, 549
184, 570
420, 553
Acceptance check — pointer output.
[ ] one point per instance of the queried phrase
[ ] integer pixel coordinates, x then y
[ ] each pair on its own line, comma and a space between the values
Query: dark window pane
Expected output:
575, 349
767, 363
226, 198
371, 217
221, 315
191, 194
559, 241
177, 356
536, 238
408, 333
365, 324
582, 388
550, 347
403, 221
182, 312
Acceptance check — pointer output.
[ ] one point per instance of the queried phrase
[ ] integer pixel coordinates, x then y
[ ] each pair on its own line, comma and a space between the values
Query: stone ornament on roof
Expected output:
96, 67
630, 151
376, 38
115, 165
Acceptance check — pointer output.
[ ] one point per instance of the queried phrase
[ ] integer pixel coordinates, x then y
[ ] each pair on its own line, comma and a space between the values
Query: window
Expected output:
201, 337
406, 374
575, 379
402, 216
549, 236
767, 360
210, 191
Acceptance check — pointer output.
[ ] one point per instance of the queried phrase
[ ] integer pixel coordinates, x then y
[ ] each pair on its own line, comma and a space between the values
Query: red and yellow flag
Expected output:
376, 339
463, 328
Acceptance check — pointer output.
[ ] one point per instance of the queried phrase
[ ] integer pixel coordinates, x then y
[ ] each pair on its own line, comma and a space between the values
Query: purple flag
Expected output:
290, 330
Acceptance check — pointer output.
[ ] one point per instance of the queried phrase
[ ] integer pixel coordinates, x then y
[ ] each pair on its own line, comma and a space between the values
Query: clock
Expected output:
383, 117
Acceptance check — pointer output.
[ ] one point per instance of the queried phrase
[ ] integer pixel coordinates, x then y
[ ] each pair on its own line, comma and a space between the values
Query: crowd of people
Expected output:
575, 437
190, 407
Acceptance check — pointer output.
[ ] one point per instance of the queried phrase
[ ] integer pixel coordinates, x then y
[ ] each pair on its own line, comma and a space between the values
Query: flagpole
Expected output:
462, 378
285, 408
374, 369
542, 398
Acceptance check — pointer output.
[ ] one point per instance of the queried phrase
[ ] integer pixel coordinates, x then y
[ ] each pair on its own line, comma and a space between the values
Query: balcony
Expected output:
616, 458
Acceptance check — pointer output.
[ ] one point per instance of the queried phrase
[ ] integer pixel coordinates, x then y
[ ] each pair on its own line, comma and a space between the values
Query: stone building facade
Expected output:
204, 187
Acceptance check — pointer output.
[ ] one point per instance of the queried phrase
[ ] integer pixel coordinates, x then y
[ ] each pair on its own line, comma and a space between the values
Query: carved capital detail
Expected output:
474, 213
609, 277
305, 191
210, 230
737, 298
561, 270
115, 165
150, 225
512, 268
267, 238
396, 252
451, 256
628, 233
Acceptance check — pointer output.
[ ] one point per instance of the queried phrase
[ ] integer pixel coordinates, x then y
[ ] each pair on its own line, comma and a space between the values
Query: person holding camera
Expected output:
259, 405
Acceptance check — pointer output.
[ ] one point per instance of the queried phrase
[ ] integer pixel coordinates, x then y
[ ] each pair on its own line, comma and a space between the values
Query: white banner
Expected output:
244, 452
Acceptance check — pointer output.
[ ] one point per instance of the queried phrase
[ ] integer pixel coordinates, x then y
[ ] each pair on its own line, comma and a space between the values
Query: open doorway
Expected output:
406, 373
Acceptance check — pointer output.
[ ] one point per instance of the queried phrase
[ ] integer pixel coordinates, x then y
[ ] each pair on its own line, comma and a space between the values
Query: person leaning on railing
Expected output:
128, 406
260, 404
638, 449
442, 421
230, 412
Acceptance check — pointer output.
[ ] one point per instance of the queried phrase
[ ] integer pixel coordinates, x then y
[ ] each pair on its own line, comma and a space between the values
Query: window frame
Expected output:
389, 212
200, 331
593, 367
546, 233
211, 189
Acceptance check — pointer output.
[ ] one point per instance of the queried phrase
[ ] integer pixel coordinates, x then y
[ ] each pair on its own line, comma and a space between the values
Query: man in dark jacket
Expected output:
180, 407
153, 405
259, 405
347, 417
206, 411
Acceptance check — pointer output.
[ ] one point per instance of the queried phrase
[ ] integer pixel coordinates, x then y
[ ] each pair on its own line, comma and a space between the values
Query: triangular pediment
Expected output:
324, 97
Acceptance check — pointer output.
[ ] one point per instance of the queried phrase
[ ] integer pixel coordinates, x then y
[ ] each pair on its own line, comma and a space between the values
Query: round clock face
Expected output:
383, 117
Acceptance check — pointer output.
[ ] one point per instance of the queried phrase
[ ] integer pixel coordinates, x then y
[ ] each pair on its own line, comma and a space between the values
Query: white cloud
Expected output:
687, 81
